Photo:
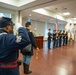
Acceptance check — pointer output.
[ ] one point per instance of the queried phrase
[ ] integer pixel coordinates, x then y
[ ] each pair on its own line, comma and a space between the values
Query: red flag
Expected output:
56, 26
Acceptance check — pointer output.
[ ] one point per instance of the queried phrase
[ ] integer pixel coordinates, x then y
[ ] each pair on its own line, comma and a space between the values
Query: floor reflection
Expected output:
58, 61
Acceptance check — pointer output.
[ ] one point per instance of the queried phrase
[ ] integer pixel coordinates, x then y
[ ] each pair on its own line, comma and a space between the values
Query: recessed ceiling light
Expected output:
74, 18
66, 13
30, 15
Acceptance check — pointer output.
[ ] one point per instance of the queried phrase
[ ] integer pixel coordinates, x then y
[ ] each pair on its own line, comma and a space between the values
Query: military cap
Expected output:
4, 21
27, 24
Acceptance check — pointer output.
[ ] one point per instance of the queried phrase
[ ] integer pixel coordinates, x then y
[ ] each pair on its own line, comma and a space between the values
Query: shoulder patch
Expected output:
18, 39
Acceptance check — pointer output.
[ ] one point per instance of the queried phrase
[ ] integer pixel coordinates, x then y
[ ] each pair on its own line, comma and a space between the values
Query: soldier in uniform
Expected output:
54, 39
27, 55
57, 38
64, 37
66, 42
9, 46
60, 38
49, 38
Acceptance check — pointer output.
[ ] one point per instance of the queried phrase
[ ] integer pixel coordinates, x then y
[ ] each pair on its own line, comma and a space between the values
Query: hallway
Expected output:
59, 61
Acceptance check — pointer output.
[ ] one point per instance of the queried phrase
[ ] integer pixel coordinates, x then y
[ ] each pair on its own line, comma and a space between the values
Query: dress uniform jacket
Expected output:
64, 38
54, 40
60, 39
49, 36
49, 39
10, 44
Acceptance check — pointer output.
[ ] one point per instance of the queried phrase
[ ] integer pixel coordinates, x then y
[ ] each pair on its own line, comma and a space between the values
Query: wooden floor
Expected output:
58, 61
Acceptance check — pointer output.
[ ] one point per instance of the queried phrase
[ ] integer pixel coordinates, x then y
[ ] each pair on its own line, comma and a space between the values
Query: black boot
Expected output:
26, 69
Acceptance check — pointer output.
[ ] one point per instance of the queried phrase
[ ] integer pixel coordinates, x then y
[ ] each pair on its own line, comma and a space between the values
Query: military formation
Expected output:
59, 38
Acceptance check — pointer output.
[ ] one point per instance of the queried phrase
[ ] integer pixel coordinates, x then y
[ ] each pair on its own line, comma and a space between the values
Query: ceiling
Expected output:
64, 7
51, 6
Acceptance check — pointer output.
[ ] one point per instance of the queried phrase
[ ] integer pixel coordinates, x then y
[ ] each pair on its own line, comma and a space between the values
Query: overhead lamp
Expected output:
74, 18
30, 15
66, 13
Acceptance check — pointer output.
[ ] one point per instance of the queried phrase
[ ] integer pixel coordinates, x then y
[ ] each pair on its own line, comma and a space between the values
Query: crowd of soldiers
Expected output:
58, 38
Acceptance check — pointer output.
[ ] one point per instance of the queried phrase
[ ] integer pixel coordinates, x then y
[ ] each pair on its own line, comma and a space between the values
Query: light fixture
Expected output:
66, 13
74, 18
29, 14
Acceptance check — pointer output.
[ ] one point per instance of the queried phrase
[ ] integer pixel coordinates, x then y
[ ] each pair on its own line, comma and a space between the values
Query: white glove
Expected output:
17, 26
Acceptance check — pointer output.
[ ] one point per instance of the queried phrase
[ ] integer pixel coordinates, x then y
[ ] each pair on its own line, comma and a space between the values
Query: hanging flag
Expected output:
56, 26
68, 30
72, 28
67, 27
72, 31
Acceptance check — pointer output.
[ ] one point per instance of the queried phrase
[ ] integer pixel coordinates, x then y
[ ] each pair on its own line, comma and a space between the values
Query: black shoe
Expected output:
26, 69
28, 72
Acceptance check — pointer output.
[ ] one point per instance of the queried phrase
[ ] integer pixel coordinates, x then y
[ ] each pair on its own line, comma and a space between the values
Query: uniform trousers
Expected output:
9, 71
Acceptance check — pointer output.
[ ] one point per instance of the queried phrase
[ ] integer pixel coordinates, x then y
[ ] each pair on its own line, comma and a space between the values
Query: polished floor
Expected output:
58, 61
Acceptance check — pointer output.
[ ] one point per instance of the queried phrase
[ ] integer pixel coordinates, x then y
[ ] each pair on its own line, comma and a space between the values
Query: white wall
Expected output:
14, 13
6, 14
7, 10
41, 27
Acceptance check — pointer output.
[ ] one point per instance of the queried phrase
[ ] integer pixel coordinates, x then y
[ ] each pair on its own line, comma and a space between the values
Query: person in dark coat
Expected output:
27, 55
10, 45
49, 38
54, 39
64, 38
60, 38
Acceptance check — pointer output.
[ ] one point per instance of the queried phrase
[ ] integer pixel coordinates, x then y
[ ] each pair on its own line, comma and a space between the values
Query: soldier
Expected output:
49, 38
54, 39
60, 38
9, 46
64, 37
66, 42
28, 55
57, 38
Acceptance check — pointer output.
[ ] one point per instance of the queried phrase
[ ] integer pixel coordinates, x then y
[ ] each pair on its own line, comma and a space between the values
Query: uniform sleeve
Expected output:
18, 42
32, 39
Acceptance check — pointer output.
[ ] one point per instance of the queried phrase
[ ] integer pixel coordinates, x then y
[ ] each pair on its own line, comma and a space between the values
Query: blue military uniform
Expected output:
54, 39
60, 38
9, 46
64, 38
49, 38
